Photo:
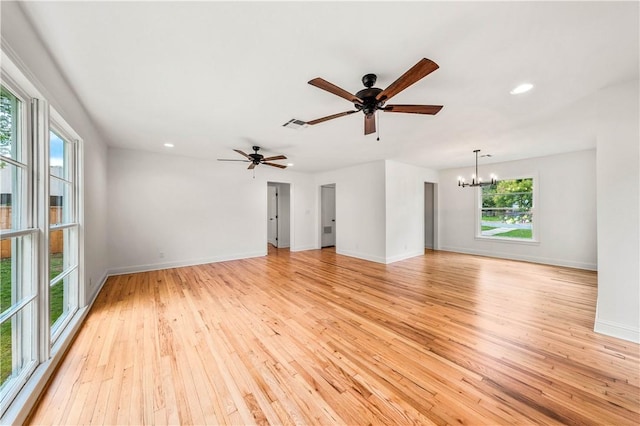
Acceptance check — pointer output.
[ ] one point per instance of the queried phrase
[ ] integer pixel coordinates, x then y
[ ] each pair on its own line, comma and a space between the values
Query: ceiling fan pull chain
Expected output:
378, 120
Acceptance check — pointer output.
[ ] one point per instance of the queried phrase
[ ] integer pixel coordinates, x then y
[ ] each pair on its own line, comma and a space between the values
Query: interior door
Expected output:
328, 206
272, 215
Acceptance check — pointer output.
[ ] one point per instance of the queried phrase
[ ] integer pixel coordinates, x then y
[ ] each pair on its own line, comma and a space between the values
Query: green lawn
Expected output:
56, 306
491, 218
514, 233
517, 233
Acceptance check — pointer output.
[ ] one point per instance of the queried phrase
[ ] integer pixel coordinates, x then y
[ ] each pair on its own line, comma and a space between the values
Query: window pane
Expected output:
63, 297
59, 157
12, 197
16, 280
507, 223
17, 349
62, 300
57, 303
9, 125
60, 202
61, 252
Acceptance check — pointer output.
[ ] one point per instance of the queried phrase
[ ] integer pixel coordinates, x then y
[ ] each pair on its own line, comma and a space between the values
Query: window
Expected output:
40, 242
506, 210
63, 231
18, 301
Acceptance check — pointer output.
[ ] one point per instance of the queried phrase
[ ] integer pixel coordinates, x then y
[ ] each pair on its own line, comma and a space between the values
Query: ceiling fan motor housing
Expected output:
255, 156
369, 102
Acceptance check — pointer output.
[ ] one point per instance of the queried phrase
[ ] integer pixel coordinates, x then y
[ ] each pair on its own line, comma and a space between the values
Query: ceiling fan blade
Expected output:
277, 157
242, 153
414, 109
423, 68
369, 124
228, 159
332, 88
280, 166
329, 117
251, 166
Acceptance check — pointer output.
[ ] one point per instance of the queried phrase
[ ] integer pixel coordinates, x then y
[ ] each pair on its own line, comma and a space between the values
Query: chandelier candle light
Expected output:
475, 179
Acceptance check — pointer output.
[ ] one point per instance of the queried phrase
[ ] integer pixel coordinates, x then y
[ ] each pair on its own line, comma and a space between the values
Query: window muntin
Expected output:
507, 210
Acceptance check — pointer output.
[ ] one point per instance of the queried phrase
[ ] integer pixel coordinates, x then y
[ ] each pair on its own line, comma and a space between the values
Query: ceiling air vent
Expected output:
295, 124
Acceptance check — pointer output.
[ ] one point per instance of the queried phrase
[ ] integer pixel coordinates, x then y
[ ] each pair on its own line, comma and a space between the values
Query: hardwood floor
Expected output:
318, 338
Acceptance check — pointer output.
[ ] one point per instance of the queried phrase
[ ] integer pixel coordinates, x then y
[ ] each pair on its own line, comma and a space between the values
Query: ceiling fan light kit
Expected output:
372, 99
476, 180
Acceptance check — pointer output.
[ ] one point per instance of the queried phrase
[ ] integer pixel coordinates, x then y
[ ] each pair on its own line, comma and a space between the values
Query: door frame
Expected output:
434, 213
284, 215
320, 224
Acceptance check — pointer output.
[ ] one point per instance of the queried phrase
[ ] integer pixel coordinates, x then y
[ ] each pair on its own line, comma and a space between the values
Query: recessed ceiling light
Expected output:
168, 145
289, 164
522, 88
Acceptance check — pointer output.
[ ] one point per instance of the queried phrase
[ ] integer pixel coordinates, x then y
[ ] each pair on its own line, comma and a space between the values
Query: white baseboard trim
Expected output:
404, 256
533, 259
620, 331
180, 263
362, 256
303, 248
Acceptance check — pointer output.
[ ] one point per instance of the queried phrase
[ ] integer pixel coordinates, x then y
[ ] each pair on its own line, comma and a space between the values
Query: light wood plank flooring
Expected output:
318, 338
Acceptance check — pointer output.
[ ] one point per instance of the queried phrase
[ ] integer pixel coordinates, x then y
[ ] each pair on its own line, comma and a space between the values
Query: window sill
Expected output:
523, 241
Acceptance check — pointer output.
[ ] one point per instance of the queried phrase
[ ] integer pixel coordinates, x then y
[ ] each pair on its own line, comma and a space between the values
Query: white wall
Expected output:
22, 45
360, 210
167, 210
379, 209
618, 165
565, 211
404, 191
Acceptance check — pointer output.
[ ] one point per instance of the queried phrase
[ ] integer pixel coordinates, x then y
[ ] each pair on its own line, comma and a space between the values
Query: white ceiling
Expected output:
213, 76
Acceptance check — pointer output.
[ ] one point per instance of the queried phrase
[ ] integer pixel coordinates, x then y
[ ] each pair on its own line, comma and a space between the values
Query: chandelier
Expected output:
475, 179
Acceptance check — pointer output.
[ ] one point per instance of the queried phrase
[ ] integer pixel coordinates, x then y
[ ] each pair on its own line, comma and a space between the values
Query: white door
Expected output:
272, 215
328, 206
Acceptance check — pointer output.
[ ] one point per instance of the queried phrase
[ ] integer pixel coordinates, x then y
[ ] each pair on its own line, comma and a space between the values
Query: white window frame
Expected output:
59, 126
30, 233
534, 210
47, 348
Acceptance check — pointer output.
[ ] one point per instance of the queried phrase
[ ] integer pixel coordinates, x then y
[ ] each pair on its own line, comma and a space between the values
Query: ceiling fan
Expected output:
371, 99
256, 159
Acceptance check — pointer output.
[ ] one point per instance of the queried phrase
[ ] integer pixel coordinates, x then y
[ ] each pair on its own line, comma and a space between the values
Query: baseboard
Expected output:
303, 248
181, 263
620, 331
362, 256
532, 259
404, 256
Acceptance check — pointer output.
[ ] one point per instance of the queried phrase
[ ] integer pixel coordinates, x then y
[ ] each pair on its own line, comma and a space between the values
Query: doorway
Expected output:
328, 215
430, 228
278, 214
